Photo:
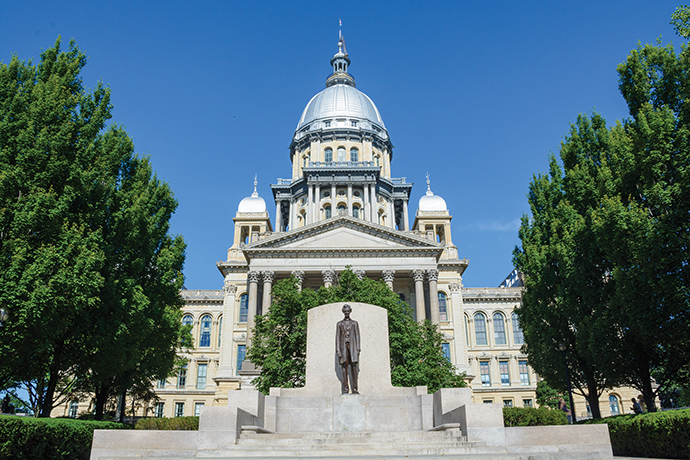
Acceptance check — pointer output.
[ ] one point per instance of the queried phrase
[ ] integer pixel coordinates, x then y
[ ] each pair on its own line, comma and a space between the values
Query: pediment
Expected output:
344, 233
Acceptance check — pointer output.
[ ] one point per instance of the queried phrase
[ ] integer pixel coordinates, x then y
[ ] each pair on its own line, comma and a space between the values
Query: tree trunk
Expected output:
102, 393
593, 398
47, 398
647, 391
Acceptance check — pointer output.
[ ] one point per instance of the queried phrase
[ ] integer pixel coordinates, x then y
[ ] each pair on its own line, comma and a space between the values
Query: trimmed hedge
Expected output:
164, 423
28, 438
655, 434
530, 416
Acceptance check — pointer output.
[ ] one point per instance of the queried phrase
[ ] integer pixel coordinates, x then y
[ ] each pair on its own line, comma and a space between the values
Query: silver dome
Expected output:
340, 101
431, 202
253, 203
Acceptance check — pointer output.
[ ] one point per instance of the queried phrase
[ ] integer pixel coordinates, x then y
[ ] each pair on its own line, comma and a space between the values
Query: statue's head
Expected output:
347, 310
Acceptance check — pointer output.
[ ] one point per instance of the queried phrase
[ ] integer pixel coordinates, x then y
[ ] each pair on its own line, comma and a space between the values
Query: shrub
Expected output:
656, 434
28, 438
164, 423
529, 416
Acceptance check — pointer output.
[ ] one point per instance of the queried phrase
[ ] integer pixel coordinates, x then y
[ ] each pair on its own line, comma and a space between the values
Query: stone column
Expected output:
460, 342
310, 205
406, 220
291, 221
374, 204
268, 282
359, 273
226, 344
334, 212
418, 276
328, 277
432, 275
317, 205
388, 277
365, 208
299, 274
349, 199
279, 212
253, 277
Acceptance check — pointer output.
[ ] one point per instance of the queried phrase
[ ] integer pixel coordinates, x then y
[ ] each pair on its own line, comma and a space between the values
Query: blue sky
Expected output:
477, 94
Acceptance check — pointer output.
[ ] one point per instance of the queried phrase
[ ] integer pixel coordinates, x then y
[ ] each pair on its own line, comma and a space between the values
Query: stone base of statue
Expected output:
381, 421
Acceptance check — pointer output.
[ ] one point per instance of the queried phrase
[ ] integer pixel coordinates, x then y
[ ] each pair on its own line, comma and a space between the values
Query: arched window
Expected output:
187, 320
342, 154
305, 161
327, 212
328, 155
355, 211
205, 331
613, 404
442, 308
480, 329
244, 307
220, 330
499, 329
517, 332
73, 409
354, 154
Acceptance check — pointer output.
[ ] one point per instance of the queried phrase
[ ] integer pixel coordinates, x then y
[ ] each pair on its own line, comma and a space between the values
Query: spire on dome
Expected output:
255, 193
428, 185
340, 63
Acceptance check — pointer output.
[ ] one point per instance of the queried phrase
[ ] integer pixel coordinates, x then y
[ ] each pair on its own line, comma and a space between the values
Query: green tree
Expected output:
88, 273
549, 397
279, 341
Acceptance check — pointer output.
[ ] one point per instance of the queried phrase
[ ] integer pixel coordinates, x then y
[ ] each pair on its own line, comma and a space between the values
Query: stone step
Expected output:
444, 456
331, 447
344, 438
353, 451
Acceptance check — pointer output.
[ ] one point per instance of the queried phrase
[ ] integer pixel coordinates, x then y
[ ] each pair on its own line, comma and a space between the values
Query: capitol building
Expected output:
341, 205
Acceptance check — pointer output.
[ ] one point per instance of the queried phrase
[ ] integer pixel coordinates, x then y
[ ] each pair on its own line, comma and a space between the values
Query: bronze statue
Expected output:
347, 348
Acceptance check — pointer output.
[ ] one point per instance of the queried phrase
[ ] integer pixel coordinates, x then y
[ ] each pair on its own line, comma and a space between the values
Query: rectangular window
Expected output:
484, 372
505, 373
73, 409
488, 401
526, 403
160, 409
240, 356
182, 377
179, 409
507, 403
161, 383
445, 347
244, 307
524, 373
201, 376
197, 409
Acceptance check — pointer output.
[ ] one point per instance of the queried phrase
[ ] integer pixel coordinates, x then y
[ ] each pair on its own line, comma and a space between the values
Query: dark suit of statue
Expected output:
347, 348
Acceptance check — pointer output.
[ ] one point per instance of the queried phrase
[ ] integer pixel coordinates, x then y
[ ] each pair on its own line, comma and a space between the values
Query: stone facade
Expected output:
342, 207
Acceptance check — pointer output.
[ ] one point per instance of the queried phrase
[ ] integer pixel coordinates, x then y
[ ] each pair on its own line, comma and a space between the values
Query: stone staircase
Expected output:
427, 445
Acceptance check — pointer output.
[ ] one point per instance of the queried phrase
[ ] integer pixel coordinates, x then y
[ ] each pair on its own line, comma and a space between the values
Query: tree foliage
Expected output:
605, 251
88, 272
279, 342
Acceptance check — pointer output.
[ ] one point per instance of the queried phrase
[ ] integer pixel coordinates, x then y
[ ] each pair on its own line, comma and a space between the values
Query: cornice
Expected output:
335, 253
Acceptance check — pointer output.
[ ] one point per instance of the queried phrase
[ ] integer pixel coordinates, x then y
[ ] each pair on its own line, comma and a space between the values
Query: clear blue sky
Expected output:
475, 93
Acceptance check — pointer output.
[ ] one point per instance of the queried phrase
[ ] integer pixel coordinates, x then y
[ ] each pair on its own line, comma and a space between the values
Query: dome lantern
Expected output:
431, 202
253, 203
340, 62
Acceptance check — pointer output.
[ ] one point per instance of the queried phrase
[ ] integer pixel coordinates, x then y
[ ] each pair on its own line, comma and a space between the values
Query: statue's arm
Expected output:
337, 339
357, 336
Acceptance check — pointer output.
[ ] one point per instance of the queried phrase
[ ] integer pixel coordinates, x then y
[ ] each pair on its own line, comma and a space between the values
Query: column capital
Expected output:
432, 274
299, 274
328, 276
418, 275
455, 287
229, 288
268, 276
253, 276
388, 276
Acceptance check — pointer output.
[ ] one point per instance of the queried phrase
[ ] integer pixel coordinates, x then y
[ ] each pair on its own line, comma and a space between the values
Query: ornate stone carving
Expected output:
328, 276
360, 273
253, 276
268, 276
388, 276
229, 288
432, 274
455, 287
418, 275
299, 274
